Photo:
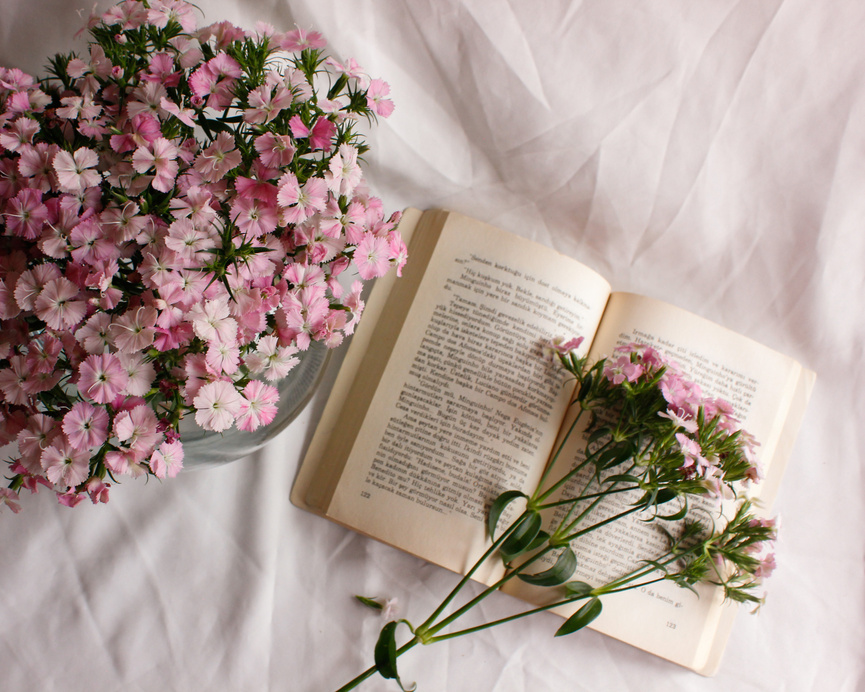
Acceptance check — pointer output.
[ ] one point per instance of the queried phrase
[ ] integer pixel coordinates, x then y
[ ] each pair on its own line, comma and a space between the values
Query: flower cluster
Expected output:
680, 437
180, 210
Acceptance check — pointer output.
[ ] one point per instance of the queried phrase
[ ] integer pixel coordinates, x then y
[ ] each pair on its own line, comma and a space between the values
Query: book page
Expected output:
662, 618
467, 406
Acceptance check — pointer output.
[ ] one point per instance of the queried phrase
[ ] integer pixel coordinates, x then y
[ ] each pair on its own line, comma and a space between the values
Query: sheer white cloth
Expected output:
711, 154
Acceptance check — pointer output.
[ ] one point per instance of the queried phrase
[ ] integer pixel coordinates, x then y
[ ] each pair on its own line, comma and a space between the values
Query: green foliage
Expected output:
584, 616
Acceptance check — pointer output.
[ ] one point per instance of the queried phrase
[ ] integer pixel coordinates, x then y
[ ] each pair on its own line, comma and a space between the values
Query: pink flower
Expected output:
272, 360
372, 257
300, 202
133, 330
74, 172
222, 358
97, 489
70, 499
162, 158
258, 407
9, 498
275, 151
187, 240
216, 405
564, 348
255, 216
398, 252
138, 429
320, 135
680, 419
167, 459
378, 89
622, 369
64, 465
218, 159
300, 39
90, 244
161, 12
40, 433
86, 426
58, 304
184, 115
141, 373
344, 173
212, 321
93, 336
265, 104
25, 214
18, 134
101, 378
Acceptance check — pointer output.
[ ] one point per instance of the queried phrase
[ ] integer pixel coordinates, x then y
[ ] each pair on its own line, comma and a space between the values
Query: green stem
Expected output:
462, 582
610, 520
428, 627
553, 459
590, 496
598, 497
574, 471
372, 670
510, 618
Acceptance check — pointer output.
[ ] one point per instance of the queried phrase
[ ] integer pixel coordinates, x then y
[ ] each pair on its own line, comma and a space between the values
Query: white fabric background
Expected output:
710, 153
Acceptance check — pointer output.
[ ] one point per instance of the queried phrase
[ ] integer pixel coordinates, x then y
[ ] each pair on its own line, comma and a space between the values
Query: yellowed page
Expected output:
466, 407
769, 390
346, 406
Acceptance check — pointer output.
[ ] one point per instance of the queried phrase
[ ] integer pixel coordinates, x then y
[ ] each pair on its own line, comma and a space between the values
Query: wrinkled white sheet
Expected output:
708, 153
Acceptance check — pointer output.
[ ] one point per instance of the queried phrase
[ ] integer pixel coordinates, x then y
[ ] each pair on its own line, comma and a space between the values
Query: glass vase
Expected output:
205, 448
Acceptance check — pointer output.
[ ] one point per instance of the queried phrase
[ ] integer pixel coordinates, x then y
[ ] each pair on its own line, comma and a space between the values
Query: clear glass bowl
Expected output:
205, 448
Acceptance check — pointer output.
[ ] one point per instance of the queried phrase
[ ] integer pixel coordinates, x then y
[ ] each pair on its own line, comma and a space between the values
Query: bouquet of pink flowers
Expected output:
178, 211
652, 450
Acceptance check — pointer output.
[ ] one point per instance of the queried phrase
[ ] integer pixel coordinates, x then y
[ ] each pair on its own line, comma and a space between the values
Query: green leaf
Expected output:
621, 478
614, 456
676, 516
498, 507
522, 537
556, 575
597, 435
385, 651
369, 602
656, 497
585, 387
665, 495
385, 654
578, 589
540, 539
581, 618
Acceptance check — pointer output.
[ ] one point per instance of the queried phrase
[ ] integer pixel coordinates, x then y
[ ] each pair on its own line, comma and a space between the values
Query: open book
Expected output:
445, 400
